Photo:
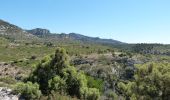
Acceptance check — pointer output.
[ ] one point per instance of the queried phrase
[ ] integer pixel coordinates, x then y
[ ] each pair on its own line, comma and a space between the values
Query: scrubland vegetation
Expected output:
90, 73
77, 67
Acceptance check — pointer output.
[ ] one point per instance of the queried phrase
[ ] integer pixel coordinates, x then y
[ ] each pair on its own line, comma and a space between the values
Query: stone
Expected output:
6, 94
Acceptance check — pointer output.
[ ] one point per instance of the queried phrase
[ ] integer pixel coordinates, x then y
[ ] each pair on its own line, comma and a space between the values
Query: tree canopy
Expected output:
54, 73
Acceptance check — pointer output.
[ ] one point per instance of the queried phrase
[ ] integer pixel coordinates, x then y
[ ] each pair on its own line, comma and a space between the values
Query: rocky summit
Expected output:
39, 31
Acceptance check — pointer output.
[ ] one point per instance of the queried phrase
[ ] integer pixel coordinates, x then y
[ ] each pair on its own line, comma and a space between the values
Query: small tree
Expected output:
55, 74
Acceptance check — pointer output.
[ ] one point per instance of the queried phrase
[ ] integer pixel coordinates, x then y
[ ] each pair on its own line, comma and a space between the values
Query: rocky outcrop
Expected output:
6, 94
39, 31
81, 61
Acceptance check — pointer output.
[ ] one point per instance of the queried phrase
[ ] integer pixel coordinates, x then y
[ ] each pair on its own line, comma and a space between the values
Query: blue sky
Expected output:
132, 21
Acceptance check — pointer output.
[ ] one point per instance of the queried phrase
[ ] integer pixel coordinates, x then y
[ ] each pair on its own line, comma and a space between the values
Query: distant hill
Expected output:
94, 39
45, 33
14, 32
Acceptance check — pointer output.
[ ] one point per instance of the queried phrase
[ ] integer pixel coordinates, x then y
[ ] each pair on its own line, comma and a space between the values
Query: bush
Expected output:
112, 96
8, 80
55, 74
152, 82
33, 57
91, 94
122, 55
57, 84
48, 44
122, 86
57, 96
28, 91
95, 83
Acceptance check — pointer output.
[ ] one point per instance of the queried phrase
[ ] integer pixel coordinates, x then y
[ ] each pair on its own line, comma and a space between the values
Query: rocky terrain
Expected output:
6, 94
14, 32
10, 70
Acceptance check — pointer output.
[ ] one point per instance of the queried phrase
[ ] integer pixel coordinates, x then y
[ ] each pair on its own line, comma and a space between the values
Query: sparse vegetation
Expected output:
96, 68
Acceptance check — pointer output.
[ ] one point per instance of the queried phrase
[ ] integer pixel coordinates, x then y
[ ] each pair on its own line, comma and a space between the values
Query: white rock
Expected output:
6, 94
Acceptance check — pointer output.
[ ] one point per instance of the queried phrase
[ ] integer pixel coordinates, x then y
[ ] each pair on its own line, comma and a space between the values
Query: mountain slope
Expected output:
93, 39
45, 34
39, 32
14, 32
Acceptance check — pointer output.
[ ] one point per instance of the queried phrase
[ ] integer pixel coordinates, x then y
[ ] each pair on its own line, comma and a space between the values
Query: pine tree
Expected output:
54, 73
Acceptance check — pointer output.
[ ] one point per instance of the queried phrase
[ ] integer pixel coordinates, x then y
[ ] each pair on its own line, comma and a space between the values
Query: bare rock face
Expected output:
39, 31
6, 94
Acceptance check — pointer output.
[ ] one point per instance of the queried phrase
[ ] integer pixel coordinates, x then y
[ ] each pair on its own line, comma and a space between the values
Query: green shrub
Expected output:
55, 74
8, 80
122, 86
152, 81
93, 94
57, 96
95, 83
57, 84
28, 91
112, 95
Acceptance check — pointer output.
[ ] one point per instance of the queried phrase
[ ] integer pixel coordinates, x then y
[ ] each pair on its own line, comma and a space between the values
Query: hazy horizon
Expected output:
130, 21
